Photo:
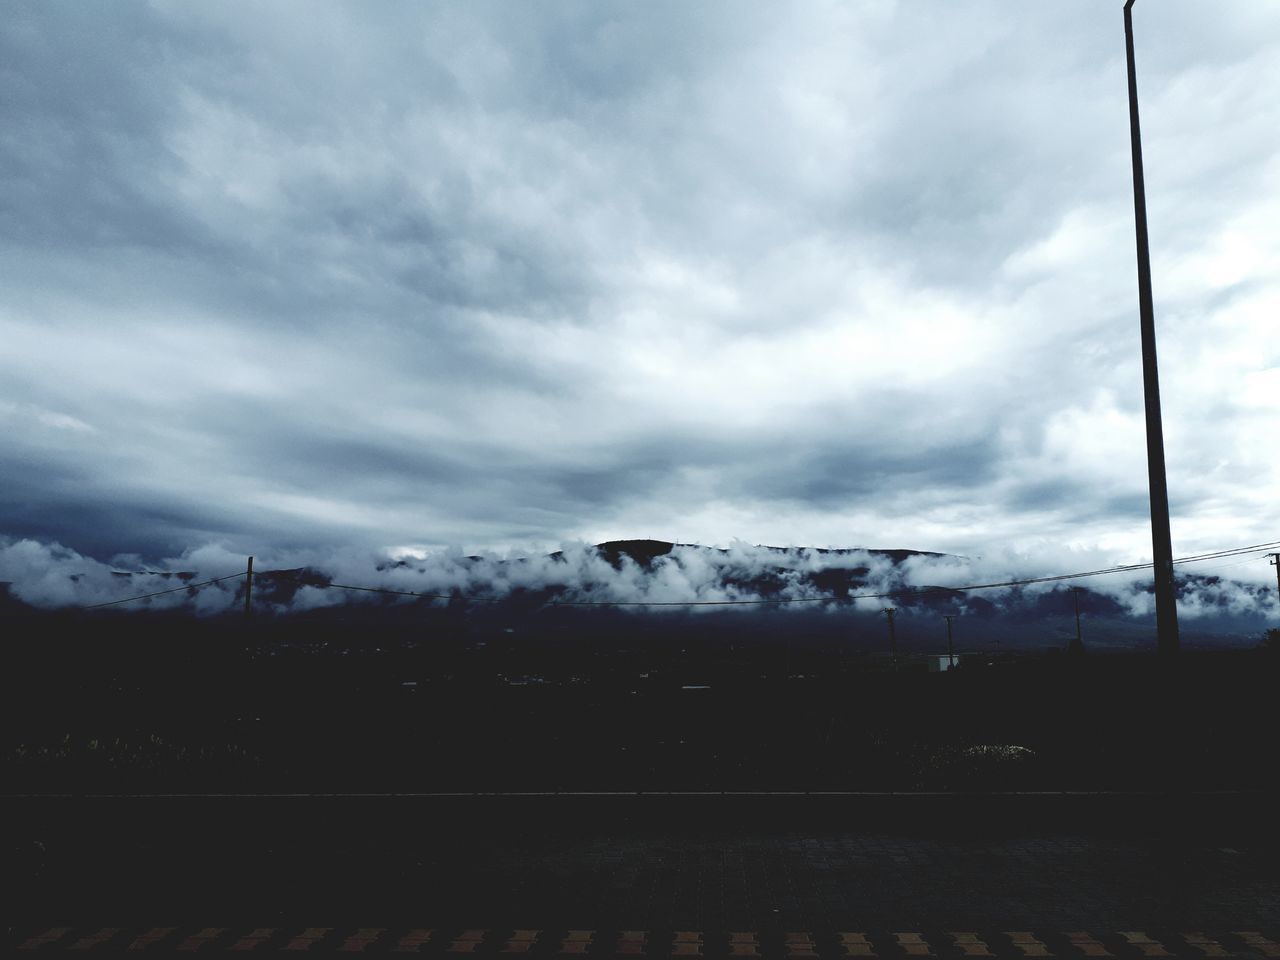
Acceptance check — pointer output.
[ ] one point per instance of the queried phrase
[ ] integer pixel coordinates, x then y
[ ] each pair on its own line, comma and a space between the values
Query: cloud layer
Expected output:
421, 275
1212, 602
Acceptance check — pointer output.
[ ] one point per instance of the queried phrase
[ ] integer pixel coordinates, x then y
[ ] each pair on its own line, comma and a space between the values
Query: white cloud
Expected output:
51, 576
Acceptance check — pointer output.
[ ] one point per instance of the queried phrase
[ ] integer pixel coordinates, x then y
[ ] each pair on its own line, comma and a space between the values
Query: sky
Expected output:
488, 276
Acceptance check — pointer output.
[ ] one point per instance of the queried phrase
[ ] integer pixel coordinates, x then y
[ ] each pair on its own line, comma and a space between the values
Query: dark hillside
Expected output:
428, 704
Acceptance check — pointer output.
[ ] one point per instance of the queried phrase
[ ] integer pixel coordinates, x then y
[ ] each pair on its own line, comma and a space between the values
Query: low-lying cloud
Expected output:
50, 576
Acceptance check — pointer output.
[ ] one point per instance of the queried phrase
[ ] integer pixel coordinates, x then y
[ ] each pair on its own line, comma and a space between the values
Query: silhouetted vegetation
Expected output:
445, 700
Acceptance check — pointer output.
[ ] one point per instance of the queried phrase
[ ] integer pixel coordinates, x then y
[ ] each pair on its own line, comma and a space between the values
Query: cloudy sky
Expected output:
292, 276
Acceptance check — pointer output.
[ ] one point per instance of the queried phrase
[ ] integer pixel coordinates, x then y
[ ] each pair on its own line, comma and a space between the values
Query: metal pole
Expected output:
1161, 542
893, 638
951, 647
248, 590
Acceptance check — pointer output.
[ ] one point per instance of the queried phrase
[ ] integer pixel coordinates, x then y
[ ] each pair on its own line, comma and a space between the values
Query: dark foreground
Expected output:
162, 797
1126, 876
173, 711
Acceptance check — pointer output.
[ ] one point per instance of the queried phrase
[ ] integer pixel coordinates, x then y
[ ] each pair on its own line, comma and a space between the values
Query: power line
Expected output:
161, 593
898, 592
1227, 566
1233, 551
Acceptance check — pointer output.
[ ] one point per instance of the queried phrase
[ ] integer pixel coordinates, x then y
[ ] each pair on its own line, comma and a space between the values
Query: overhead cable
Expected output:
898, 592
161, 593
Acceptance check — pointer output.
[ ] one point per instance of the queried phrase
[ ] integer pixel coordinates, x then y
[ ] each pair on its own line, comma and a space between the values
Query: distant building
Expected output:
940, 663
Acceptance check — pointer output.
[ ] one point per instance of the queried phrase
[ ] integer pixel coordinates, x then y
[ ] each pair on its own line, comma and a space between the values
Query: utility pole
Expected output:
1161, 543
1077, 645
248, 591
893, 637
1275, 562
951, 647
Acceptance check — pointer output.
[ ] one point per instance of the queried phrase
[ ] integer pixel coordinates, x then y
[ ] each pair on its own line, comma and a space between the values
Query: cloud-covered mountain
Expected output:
804, 589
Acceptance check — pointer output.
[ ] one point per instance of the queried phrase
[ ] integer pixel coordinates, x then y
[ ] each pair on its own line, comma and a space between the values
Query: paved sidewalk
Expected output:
109, 873
801, 881
729, 881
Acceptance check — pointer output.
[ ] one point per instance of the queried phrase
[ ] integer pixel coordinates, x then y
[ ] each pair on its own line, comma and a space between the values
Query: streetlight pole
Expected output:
1161, 541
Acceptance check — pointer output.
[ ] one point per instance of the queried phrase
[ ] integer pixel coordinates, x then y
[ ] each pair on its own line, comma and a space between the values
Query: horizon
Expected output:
1228, 595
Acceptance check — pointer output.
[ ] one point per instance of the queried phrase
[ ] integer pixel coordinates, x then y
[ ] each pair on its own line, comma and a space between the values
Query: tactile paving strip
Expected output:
658, 944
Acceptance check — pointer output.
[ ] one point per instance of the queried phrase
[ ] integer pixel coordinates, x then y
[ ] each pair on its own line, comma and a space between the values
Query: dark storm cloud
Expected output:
826, 470
501, 275
75, 506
